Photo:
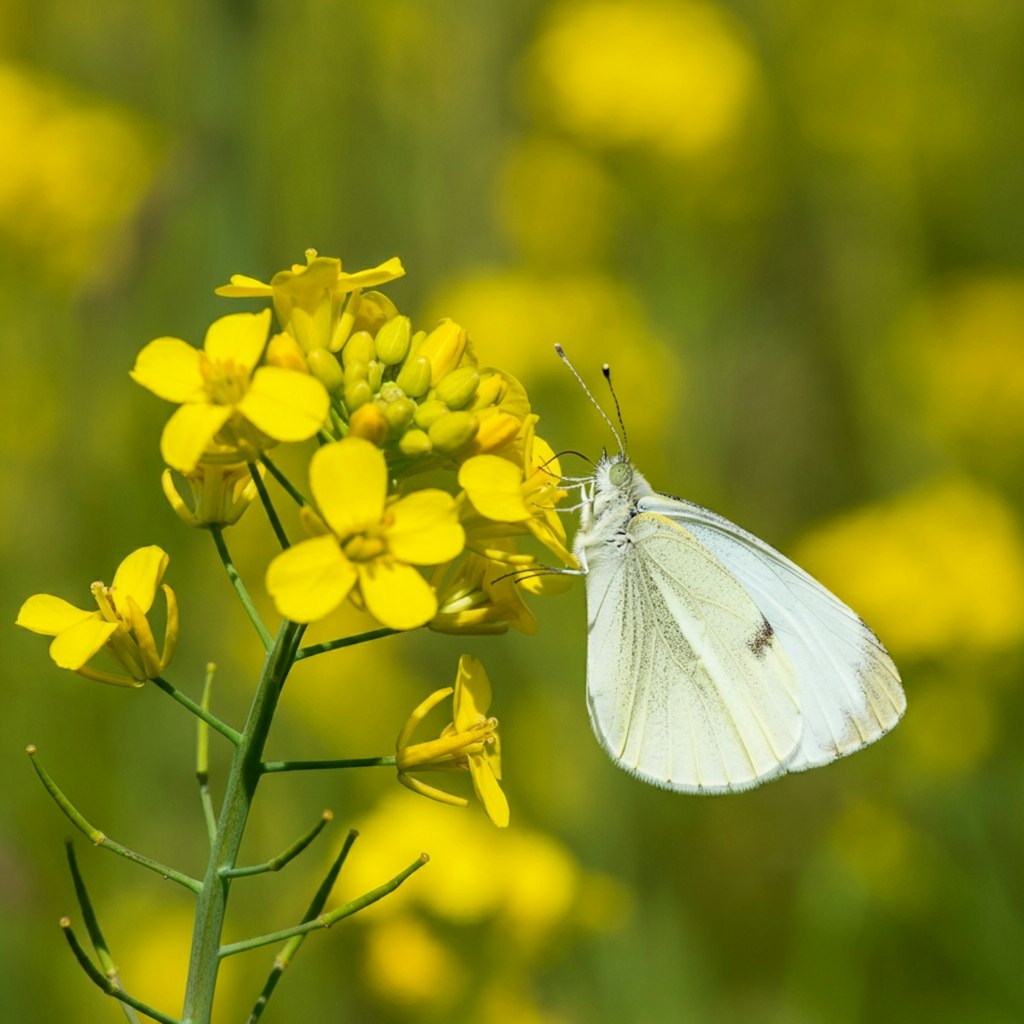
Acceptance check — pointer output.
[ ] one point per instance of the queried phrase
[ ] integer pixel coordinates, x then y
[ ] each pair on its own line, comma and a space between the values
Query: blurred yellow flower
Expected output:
409, 966
370, 542
224, 397
119, 624
469, 743
936, 569
675, 76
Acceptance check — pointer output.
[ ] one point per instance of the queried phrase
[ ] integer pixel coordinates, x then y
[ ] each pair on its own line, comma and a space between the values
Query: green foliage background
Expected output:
795, 230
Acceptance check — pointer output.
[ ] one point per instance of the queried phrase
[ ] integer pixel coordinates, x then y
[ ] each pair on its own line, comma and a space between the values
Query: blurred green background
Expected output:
794, 228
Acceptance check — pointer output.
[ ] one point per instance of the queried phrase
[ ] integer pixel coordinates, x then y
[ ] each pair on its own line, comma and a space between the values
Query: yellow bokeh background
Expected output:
796, 233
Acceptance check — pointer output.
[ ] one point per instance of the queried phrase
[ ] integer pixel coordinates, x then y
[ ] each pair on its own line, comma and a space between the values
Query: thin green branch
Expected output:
92, 926
236, 581
293, 492
278, 862
105, 984
346, 641
99, 838
270, 767
291, 947
327, 920
203, 756
198, 710
268, 506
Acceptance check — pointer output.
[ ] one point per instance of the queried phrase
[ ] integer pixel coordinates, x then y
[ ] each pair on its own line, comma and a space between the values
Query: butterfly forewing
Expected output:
687, 684
849, 689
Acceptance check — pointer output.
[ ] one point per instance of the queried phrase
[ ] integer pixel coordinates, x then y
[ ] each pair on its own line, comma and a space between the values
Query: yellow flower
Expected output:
468, 743
119, 623
483, 596
318, 286
220, 493
370, 542
524, 492
224, 398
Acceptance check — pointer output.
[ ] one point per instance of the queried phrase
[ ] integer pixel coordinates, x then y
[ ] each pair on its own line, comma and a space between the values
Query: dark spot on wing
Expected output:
761, 640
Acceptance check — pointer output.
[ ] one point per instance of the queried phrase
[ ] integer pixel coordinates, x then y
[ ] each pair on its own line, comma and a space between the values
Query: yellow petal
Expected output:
349, 480
239, 338
488, 791
75, 646
169, 367
138, 576
384, 272
495, 487
49, 615
425, 528
310, 580
189, 432
396, 594
243, 287
285, 404
472, 693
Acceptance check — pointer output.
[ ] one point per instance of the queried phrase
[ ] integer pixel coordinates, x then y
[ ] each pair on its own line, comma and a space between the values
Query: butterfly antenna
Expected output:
593, 401
607, 371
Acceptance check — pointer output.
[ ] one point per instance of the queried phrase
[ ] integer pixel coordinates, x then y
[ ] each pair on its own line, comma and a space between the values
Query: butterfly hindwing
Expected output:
687, 685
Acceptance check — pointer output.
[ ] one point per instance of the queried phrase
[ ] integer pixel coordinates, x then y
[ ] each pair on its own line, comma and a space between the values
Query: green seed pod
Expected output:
398, 414
324, 366
415, 442
414, 377
393, 340
458, 387
358, 349
429, 412
452, 431
357, 393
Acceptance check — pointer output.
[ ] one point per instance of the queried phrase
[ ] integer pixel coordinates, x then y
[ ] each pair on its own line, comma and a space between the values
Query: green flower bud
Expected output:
452, 431
358, 349
429, 412
458, 387
398, 414
375, 375
393, 340
414, 377
325, 366
444, 347
357, 393
491, 391
375, 309
415, 442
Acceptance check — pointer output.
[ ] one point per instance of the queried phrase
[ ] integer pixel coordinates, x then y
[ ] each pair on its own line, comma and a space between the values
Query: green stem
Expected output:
268, 506
326, 920
236, 581
270, 767
240, 788
203, 756
99, 838
104, 983
291, 947
197, 709
293, 492
278, 862
346, 641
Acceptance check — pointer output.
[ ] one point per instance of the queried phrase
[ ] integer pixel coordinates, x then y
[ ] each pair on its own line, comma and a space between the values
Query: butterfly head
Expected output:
617, 484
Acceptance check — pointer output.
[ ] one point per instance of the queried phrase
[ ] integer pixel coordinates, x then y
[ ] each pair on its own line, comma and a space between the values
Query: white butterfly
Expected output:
714, 663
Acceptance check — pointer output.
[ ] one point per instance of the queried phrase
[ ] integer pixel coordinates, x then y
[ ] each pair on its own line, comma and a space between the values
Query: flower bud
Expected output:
491, 391
414, 377
375, 375
399, 415
453, 430
358, 349
444, 347
497, 430
369, 423
324, 365
357, 393
393, 340
284, 351
415, 442
429, 412
375, 309
458, 387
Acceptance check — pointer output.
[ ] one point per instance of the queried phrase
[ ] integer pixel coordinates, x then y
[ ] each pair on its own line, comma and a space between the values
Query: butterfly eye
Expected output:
620, 474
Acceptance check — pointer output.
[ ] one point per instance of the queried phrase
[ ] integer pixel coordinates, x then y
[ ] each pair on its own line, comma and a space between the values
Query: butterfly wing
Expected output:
849, 688
686, 685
